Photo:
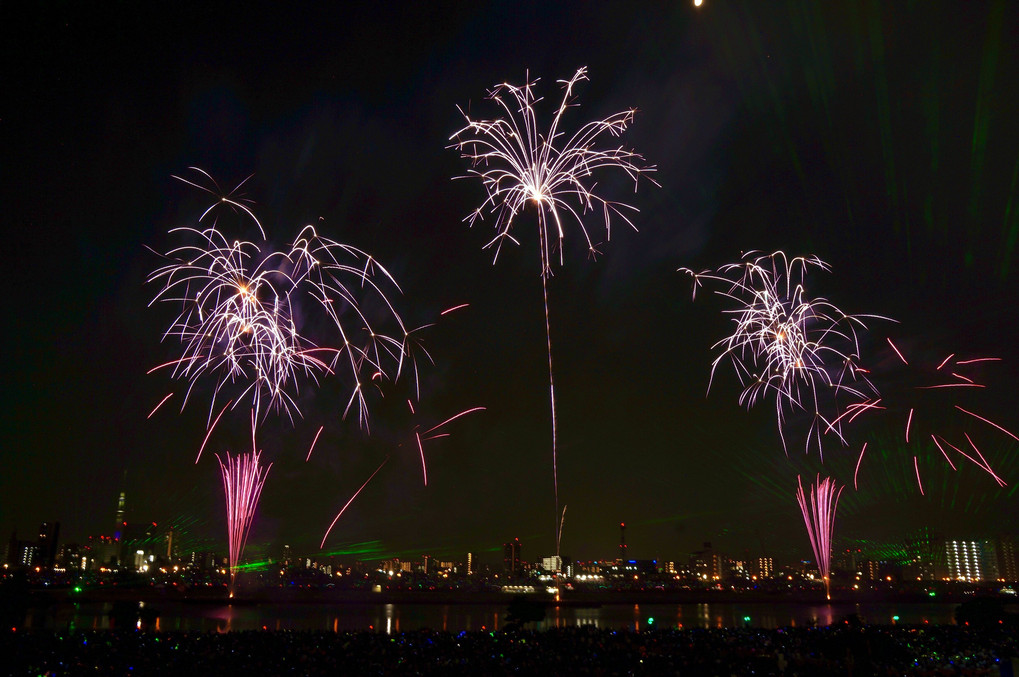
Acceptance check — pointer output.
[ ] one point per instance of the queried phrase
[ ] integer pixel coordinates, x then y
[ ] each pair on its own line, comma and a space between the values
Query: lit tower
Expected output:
622, 542
169, 544
118, 525
118, 528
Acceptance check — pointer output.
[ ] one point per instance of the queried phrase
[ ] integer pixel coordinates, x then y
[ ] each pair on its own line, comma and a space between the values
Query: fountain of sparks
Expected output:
819, 517
243, 478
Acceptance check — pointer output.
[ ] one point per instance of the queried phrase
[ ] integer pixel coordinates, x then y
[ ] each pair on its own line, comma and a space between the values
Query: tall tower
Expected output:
118, 525
511, 557
116, 542
169, 544
622, 542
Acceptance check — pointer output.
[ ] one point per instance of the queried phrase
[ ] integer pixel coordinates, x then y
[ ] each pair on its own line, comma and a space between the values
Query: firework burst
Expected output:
238, 317
925, 398
521, 164
802, 350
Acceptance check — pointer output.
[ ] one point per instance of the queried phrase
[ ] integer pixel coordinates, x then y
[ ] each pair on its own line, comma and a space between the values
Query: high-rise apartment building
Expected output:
1007, 570
47, 552
622, 543
971, 561
925, 554
511, 557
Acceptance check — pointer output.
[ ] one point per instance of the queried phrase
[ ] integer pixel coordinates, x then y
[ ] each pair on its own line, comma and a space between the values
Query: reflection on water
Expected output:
395, 618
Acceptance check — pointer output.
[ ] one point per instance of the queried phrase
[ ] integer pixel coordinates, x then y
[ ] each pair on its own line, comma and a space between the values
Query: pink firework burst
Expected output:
929, 401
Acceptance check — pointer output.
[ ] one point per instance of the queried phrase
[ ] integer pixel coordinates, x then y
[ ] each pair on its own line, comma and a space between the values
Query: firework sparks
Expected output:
208, 432
235, 321
784, 342
238, 326
927, 403
432, 434
243, 478
347, 504
156, 408
520, 164
313, 443
819, 517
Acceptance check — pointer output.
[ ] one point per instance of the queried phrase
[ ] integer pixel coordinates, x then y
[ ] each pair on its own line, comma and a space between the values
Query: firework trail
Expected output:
347, 504
521, 164
420, 437
819, 517
333, 273
783, 342
924, 396
238, 323
313, 443
243, 478
156, 408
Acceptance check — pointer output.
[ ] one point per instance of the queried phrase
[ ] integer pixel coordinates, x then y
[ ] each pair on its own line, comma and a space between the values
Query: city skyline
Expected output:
879, 139
170, 541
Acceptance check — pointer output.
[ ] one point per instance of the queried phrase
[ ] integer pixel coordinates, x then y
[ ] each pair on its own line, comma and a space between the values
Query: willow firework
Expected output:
802, 350
240, 305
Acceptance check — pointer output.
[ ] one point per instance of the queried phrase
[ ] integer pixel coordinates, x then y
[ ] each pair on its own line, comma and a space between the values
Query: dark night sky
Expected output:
880, 136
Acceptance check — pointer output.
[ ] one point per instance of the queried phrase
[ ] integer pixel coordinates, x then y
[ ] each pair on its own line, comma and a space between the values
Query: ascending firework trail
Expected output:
520, 164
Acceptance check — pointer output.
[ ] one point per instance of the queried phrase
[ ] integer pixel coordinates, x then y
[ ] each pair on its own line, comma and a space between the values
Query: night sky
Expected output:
881, 137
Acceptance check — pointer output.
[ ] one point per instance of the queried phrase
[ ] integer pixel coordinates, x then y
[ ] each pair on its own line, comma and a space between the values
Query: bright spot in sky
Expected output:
698, 3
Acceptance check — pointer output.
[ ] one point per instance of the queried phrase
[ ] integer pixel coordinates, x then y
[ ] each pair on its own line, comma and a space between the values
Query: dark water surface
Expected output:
215, 616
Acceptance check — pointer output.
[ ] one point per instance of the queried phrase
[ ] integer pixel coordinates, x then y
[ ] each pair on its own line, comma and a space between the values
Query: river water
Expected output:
390, 618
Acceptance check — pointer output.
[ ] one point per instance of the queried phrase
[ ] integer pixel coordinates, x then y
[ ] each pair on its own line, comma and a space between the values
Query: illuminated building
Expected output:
511, 557
1007, 570
971, 561
26, 553
119, 524
470, 563
140, 536
47, 554
706, 564
170, 554
924, 552
622, 542
553, 563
